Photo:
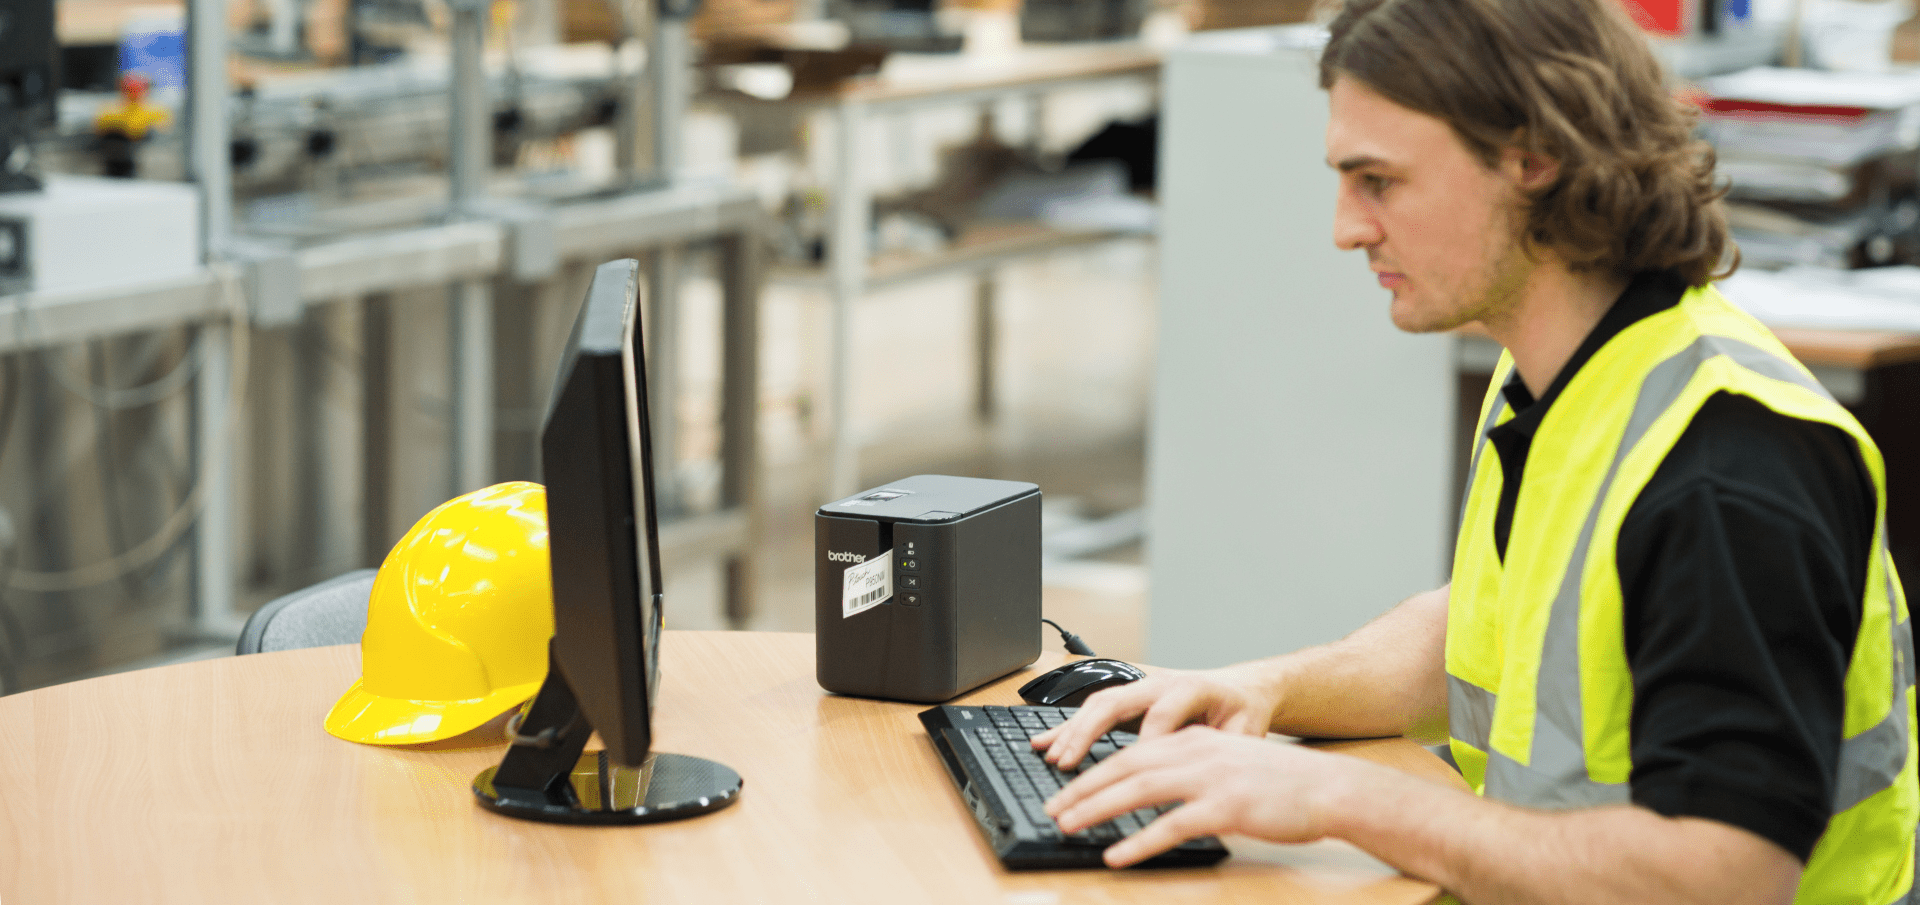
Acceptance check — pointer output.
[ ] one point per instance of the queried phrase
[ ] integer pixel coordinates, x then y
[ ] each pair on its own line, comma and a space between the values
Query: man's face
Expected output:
1441, 229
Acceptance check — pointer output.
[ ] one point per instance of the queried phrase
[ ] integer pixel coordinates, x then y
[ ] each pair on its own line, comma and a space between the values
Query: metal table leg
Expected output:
472, 310
740, 274
662, 329
214, 615
847, 261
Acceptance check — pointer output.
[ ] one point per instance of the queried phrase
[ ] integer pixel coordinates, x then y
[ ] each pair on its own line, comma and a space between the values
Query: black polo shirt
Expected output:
1743, 563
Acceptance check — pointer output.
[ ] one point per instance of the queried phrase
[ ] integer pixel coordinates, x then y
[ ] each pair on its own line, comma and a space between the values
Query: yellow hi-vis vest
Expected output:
1538, 690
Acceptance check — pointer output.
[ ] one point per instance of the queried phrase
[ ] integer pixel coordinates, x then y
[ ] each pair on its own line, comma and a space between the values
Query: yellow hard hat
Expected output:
458, 623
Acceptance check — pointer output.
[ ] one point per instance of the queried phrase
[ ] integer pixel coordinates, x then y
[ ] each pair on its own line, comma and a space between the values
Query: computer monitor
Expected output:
604, 661
29, 87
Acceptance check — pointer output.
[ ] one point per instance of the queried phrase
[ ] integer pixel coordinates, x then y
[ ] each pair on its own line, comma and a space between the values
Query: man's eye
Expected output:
1375, 184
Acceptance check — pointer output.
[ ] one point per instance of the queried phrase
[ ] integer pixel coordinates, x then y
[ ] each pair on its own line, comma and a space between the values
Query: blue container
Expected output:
161, 55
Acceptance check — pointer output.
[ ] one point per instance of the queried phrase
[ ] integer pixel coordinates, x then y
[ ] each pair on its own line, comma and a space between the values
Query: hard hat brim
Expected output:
370, 719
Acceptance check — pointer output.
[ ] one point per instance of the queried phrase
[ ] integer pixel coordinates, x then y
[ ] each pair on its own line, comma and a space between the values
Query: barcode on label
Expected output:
866, 585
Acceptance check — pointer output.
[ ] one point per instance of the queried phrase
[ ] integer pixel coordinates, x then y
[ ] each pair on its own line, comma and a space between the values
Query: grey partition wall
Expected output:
1300, 459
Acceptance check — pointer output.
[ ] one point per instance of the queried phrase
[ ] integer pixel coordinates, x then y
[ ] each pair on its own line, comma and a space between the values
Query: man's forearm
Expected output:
1491, 853
1387, 678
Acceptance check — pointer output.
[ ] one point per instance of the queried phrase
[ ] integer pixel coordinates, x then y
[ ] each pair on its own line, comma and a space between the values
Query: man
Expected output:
1673, 657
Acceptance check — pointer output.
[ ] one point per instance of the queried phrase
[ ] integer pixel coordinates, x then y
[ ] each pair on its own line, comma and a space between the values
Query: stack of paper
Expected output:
1810, 154
1881, 298
1833, 118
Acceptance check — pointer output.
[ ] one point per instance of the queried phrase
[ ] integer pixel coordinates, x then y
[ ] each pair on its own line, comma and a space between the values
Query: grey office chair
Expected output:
331, 612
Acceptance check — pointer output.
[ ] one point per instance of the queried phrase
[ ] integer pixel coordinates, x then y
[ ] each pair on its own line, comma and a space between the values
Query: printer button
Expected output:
910, 564
910, 598
910, 582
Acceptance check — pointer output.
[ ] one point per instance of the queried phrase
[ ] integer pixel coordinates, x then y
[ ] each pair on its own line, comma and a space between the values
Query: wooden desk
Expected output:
213, 781
1857, 349
910, 79
99, 21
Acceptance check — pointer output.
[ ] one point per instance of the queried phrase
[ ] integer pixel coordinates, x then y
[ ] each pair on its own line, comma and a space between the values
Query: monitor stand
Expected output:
546, 776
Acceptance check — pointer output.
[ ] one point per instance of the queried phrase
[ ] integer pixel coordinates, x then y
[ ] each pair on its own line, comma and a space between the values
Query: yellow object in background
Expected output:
458, 624
133, 117
502, 12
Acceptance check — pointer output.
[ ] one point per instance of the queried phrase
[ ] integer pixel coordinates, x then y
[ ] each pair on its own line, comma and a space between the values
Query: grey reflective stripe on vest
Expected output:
1556, 774
1470, 712
1871, 761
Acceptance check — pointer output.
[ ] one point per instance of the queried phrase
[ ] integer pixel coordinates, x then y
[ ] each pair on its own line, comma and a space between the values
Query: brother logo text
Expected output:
845, 557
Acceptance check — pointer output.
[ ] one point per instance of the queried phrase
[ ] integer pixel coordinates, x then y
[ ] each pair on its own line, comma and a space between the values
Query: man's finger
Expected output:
1127, 781
1068, 742
1087, 785
1245, 723
1175, 709
1096, 803
1166, 831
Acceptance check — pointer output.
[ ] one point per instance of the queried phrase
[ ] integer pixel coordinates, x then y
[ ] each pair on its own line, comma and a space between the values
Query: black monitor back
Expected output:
28, 53
605, 548
597, 463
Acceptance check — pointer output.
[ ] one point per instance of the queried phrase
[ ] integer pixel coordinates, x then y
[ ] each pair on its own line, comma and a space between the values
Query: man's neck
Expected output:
1556, 310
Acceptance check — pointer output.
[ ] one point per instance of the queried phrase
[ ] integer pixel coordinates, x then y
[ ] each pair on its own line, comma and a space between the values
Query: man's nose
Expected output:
1352, 230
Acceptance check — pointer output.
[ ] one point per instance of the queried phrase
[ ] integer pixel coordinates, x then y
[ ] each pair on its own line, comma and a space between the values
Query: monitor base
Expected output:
664, 787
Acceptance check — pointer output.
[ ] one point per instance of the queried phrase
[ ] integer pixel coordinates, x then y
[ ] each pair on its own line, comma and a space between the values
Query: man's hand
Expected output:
1236, 699
1388, 678
1483, 851
1230, 784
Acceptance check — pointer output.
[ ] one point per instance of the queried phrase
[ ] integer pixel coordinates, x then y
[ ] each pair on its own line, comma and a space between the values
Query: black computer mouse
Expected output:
1069, 685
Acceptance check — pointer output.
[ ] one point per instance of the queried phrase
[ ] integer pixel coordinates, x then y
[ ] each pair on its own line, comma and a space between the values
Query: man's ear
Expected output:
1530, 171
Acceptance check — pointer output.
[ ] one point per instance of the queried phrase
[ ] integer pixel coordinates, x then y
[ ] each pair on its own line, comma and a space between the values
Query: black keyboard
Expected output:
1005, 783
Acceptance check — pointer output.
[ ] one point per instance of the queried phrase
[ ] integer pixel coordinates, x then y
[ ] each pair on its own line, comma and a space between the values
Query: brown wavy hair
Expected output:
1573, 80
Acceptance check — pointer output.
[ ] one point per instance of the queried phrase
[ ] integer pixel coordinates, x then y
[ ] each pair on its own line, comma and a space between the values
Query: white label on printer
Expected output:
866, 585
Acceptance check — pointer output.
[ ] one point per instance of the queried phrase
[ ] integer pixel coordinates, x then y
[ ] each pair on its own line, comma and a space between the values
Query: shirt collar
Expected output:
1646, 294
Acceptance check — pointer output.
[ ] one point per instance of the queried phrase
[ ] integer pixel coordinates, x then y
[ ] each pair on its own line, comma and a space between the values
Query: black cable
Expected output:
1071, 640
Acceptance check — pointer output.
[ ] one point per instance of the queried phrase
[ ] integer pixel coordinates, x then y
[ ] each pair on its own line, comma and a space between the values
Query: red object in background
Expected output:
134, 85
1661, 17
1769, 110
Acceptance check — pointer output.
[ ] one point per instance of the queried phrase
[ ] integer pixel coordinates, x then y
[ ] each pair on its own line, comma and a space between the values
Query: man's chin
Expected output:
1407, 320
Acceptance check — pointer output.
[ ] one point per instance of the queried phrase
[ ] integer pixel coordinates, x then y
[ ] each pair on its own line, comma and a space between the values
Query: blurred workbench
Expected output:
585, 230
99, 21
910, 82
